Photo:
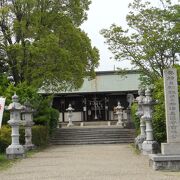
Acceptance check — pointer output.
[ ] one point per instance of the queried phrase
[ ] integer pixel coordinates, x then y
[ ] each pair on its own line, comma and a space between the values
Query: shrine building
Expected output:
97, 98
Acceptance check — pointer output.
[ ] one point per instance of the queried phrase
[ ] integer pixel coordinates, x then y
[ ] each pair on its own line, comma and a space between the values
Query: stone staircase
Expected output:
92, 135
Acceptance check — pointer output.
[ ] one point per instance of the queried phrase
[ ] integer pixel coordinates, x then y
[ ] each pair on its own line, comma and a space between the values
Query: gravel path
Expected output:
86, 162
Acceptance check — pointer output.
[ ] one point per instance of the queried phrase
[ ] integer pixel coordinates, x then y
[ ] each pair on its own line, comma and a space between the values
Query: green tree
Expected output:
41, 42
152, 41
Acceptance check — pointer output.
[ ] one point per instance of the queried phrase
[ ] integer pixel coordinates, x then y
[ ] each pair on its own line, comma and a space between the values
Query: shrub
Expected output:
40, 135
44, 114
5, 137
135, 118
53, 121
47, 116
159, 122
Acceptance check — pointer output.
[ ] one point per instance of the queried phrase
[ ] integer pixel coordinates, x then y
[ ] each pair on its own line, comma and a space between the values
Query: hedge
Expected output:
40, 136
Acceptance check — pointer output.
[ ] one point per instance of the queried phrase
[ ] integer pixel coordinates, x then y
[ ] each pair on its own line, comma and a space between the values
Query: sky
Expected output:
102, 14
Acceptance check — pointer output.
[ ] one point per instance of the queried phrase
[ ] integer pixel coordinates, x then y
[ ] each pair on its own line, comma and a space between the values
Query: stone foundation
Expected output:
29, 147
164, 162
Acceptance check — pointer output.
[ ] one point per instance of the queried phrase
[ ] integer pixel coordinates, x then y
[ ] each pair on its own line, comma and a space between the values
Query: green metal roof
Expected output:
107, 81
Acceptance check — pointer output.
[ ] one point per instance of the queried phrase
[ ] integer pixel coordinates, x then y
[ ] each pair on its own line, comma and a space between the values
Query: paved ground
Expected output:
87, 162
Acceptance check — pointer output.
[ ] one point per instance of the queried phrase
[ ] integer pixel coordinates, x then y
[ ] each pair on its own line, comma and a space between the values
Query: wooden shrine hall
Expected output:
97, 98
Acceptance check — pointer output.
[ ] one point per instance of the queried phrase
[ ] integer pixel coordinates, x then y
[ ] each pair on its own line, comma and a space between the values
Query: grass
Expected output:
7, 163
136, 150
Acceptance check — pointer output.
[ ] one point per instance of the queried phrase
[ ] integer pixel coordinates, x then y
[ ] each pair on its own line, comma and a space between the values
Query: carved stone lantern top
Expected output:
27, 108
15, 105
119, 108
141, 96
70, 109
148, 100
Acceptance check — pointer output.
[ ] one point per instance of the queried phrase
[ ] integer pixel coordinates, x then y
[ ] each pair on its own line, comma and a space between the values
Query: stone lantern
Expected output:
70, 110
15, 150
27, 115
149, 146
119, 112
142, 137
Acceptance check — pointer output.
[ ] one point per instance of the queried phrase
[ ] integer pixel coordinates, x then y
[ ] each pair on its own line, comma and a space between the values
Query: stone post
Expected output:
70, 109
15, 150
119, 112
142, 137
27, 115
169, 159
149, 146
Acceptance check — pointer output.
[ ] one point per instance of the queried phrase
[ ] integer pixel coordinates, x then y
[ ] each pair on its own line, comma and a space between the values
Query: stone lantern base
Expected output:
120, 124
29, 147
150, 147
139, 140
15, 151
70, 124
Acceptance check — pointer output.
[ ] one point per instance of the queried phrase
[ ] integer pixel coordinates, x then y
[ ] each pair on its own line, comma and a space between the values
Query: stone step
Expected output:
93, 129
90, 138
90, 123
91, 142
92, 135
92, 132
93, 138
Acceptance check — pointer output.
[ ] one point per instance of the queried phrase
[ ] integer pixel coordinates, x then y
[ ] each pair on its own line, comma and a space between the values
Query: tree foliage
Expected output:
152, 41
41, 42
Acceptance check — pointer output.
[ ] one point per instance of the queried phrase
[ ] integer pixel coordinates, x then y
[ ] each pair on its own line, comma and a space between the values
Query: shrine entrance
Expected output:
96, 109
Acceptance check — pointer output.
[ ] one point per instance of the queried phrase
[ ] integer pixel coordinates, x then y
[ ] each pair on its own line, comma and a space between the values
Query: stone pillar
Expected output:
70, 109
170, 157
27, 115
15, 150
119, 112
142, 137
149, 146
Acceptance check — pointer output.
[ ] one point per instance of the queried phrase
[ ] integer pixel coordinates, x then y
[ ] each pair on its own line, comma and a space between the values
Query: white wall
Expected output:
76, 116
114, 116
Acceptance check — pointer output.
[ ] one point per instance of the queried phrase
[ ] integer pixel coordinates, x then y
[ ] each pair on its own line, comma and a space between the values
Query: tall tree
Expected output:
152, 41
41, 42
